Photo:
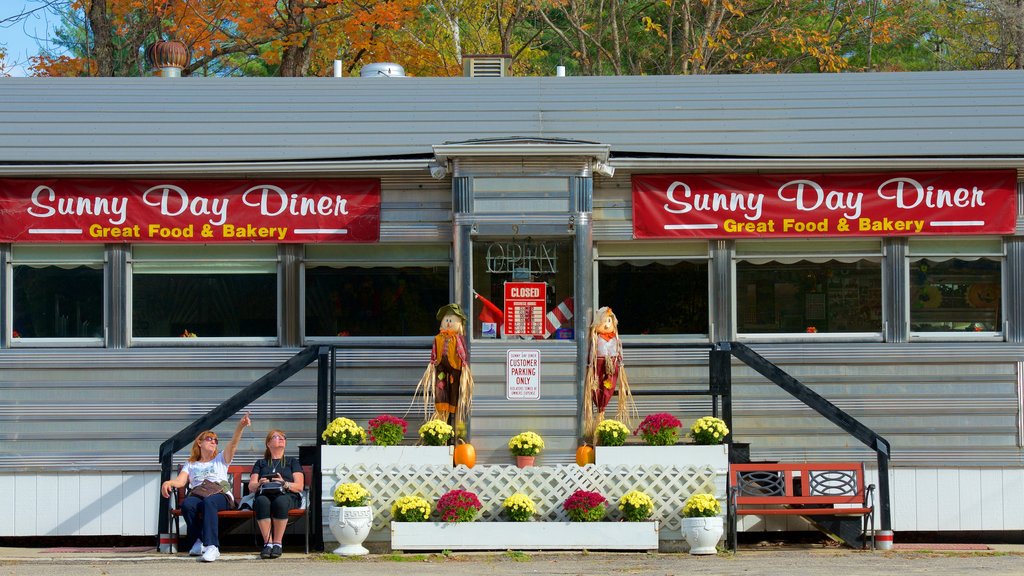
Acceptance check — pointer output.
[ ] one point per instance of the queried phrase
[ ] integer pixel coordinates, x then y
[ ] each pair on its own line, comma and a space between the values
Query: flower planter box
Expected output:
332, 456
524, 536
715, 455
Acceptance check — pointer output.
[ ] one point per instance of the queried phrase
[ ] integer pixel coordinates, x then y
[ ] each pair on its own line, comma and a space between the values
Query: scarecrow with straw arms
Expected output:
605, 374
447, 383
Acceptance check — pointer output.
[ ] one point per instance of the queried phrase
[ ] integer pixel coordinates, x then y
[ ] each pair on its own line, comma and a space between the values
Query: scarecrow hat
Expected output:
452, 308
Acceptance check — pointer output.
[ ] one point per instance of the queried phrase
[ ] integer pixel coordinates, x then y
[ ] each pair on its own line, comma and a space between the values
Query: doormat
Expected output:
125, 549
938, 547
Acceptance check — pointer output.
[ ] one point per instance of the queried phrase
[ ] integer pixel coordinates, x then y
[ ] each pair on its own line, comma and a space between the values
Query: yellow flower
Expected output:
410, 509
343, 431
526, 444
351, 494
701, 505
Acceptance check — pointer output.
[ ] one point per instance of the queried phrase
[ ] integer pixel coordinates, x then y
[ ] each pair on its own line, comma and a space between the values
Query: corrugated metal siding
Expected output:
971, 113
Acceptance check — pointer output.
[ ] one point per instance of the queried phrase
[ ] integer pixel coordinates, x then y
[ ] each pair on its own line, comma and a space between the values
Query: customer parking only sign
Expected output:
522, 374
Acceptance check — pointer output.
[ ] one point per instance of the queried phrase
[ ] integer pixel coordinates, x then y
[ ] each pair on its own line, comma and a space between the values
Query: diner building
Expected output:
164, 242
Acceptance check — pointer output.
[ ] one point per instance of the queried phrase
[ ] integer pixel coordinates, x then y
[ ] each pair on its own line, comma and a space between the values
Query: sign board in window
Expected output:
522, 374
525, 308
189, 211
824, 205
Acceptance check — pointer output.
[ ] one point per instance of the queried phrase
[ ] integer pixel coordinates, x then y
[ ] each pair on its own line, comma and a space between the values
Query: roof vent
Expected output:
485, 65
382, 69
170, 56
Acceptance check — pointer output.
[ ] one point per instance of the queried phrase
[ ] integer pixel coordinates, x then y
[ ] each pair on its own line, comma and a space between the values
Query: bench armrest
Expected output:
867, 495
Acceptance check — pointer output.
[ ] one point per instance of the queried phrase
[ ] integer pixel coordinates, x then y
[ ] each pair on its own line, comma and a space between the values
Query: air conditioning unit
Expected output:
485, 65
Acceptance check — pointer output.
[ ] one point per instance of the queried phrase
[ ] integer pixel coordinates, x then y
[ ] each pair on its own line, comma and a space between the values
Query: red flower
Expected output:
661, 429
458, 506
584, 506
387, 430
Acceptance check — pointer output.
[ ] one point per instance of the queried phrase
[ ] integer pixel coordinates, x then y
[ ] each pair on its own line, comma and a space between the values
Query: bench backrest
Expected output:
801, 483
238, 476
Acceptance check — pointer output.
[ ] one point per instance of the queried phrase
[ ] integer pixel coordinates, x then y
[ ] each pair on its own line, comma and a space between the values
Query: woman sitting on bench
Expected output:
277, 482
205, 469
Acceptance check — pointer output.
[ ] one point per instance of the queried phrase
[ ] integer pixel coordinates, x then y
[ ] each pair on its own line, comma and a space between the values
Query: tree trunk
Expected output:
102, 41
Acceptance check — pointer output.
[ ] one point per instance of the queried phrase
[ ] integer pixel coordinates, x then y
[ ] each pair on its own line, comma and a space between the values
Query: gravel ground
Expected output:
788, 562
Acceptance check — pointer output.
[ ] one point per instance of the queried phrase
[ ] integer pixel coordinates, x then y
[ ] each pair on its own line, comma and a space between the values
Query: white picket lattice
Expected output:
548, 486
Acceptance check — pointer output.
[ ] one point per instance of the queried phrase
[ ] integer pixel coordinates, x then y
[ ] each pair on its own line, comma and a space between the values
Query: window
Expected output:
655, 288
955, 286
500, 260
57, 293
223, 292
809, 286
379, 290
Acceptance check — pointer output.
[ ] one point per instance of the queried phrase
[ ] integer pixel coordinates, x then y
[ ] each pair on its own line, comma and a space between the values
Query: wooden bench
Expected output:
239, 475
804, 489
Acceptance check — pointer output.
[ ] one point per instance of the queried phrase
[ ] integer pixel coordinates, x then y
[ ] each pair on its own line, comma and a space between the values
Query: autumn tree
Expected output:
280, 37
726, 36
974, 34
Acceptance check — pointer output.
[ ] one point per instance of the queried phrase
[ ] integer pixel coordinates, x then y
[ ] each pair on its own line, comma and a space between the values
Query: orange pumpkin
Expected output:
465, 454
585, 455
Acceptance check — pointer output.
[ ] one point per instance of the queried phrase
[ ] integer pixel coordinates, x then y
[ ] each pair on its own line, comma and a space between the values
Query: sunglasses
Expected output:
278, 437
211, 439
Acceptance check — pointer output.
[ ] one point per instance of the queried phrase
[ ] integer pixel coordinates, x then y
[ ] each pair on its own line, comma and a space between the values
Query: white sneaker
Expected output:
197, 549
210, 554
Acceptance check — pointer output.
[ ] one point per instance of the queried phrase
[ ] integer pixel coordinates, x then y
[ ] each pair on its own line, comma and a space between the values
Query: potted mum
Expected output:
525, 446
660, 429
636, 506
611, 433
708, 430
702, 523
436, 432
458, 506
351, 519
584, 506
387, 430
346, 450
410, 509
344, 432
519, 507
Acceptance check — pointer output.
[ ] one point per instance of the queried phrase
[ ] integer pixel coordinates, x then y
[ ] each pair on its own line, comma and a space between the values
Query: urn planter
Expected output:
703, 534
524, 535
350, 526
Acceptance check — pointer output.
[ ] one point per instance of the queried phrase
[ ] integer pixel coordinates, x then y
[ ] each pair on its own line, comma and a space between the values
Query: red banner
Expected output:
819, 205
190, 211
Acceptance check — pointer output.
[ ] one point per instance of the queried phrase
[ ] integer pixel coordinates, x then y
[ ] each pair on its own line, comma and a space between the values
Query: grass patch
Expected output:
517, 556
400, 557
328, 557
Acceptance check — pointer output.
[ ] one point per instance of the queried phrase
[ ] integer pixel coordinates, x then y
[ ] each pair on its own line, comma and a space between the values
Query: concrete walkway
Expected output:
998, 560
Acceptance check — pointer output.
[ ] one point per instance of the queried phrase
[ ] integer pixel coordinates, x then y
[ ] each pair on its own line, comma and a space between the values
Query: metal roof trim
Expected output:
775, 164
219, 168
444, 152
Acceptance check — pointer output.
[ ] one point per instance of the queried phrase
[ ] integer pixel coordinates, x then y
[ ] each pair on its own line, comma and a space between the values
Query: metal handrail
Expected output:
833, 413
229, 408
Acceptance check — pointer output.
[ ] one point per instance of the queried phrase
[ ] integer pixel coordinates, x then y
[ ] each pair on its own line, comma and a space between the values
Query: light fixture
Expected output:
438, 171
606, 170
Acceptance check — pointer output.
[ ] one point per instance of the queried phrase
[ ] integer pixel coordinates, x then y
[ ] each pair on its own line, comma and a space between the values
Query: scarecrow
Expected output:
605, 374
447, 382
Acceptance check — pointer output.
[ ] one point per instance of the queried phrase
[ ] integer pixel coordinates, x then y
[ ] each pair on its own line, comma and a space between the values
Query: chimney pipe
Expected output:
560, 71
337, 69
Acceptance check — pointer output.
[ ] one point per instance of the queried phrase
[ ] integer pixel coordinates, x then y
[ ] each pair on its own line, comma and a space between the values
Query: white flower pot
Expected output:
350, 526
333, 456
524, 535
715, 455
703, 534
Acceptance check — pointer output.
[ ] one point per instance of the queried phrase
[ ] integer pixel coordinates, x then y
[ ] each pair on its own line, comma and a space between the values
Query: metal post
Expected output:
324, 370
720, 365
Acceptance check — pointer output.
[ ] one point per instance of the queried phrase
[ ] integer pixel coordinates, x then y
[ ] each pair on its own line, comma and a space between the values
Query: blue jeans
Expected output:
203, 529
